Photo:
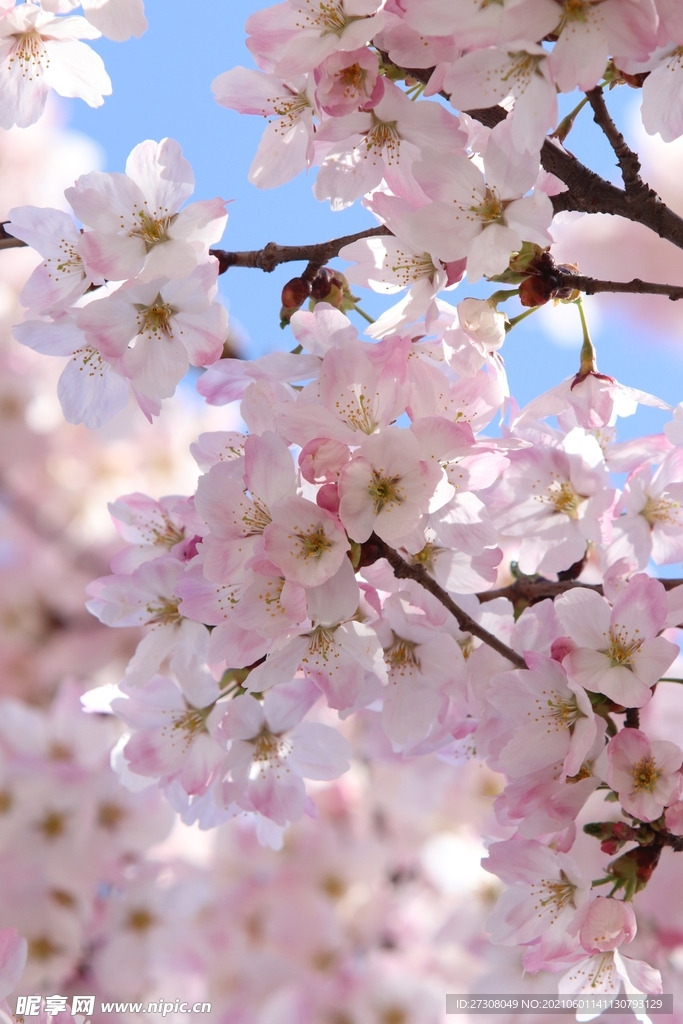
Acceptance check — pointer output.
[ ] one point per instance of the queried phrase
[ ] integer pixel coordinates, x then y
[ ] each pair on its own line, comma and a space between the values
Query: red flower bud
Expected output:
295, 293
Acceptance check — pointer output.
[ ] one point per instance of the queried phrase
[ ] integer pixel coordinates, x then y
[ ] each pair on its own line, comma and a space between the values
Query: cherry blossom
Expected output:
174, 726
481, 216
551, 718
618, 652
92, 387
137, 225
272, 750
39, 52
382, 143
63, 277
645, 774
545, 891
286, 148
298, 35
387, 488
565, 507
172, 323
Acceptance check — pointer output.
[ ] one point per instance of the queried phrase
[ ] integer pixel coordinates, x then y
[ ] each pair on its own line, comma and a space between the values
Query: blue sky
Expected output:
162, 87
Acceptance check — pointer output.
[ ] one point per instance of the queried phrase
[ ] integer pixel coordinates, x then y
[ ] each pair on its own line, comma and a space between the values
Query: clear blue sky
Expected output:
162, 86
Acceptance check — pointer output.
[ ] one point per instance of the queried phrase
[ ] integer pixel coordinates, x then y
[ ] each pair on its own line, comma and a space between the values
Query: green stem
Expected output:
518, 319
588, 357
502, 296
567, 123
363, 314
670, 679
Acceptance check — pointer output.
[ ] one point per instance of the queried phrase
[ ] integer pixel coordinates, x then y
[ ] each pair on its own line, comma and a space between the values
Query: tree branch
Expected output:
266, 259
375, 548
591, 286
532, 591
629, 164
8, 241
272, 255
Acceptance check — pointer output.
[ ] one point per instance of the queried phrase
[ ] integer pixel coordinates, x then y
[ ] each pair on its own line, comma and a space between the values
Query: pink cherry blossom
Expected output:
652, 503
644, 773
92, 387
39, 52
521, 70
147, 597
272, 751
236, 520
556, 499
304, 541
135, 219
550, 717
619, 652
590, 31
150, 527
481, 216
345, 81
382, 143
298, 35
172, 324
63, 277
286, 148
546, 889
387, 488
174, 726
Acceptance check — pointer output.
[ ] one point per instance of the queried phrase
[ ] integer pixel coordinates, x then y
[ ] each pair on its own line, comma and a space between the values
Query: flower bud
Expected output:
537, 290
295, 293
480, 321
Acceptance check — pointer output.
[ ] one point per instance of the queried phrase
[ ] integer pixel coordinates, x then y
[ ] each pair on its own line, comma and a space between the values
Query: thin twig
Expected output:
404, 571
629, 164
272, 255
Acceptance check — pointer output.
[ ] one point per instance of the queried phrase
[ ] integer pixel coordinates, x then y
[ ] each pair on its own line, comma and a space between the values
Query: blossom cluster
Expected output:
268, 595
130, 299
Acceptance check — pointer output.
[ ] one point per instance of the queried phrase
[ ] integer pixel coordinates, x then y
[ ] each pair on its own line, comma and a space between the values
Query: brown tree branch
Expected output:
531, 591
629, 164
266, 259
375, 548
272, 255
8, 241
591, 286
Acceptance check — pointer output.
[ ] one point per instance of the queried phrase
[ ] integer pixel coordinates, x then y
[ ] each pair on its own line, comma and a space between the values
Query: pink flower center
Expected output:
553, 894
384, 136
31, 49
314, 544
165, 613
155, 318
645, 775
402, 653
256, 518
662, 510
193, 721
384, 490
622, 648
151, 230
